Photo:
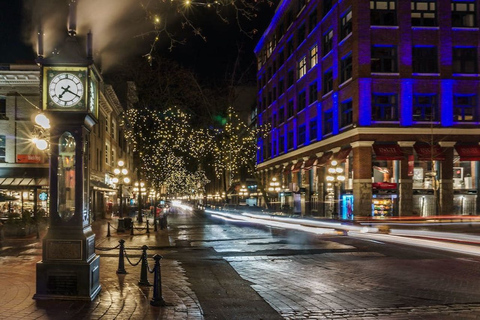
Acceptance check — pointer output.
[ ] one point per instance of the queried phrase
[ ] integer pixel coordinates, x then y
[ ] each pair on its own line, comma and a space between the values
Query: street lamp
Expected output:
274, 187
142, 191
121, 178
334, 179
243, 192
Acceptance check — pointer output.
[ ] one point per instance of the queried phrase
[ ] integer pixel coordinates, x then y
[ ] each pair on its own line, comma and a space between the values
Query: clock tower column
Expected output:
70, 268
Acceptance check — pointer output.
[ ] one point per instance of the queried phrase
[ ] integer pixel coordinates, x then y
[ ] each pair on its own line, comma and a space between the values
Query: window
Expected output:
280, 31
289, 47
301, 34
273, 152
383, 13
275, 120
313, 56
346, 25
346, 68
346, 109
302, 67
301, 135
385, 107
290, 140
269, 73
327, 42
281, 115
107, 153
425, 107
269, 98
328, 122
312, 92
327, 81
384, 59
465, 108
424, 13
425, 60
313, 129
464, 14
107, 123
114, 129
291, 78
312, 20
269, 48
3, 108
281, 144
327, 5
3, 146
290, 109
281, 87
274, 93
113, 159
302, 100
289, 18
465, 60
281, 58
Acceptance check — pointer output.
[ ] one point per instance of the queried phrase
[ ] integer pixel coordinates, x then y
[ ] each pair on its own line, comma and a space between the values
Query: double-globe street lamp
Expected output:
274, 187
121, 178
334, 178
141, 191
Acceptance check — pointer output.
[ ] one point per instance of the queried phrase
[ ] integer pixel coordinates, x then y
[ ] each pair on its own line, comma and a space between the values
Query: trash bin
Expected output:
121, 225
128, 223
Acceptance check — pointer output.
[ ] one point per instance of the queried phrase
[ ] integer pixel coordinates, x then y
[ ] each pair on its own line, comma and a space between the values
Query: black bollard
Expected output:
108, 230
155, 224
144, 268
157, 299
121, 263
148, 228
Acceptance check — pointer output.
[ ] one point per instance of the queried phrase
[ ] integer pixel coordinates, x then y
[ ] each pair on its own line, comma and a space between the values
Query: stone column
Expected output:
362, 179
405, 186
446, 179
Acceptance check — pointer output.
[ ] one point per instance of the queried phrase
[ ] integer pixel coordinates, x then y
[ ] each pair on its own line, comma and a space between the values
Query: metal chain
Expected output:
107, 249
128, 259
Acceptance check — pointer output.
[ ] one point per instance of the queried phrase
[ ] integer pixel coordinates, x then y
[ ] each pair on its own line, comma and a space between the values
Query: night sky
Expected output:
213, 59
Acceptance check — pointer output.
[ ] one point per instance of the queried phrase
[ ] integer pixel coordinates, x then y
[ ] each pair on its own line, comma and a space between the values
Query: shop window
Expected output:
327, 42
3, 108
464, 108
385, 107
346, 66
465, 60
384, 59
312, 92
424, 13
3, 146
313, 56
302, 100
464, 14
301, 134
346, 24
328, 122
383, 13
327, 82
425, 60
425, 107
302, 67
346, 109
313, 129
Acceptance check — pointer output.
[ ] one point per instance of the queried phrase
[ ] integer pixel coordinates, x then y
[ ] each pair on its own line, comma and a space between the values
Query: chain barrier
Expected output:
106, 249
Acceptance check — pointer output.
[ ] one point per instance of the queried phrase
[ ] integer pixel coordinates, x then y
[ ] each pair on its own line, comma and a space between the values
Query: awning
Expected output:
426, 152
288, 168
309, 163
297, 166
101, 186
468, 152
390, 151
323, 160
341, 155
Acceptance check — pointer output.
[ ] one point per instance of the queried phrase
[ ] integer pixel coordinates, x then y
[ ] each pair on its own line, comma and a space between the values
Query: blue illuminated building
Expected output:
387, 88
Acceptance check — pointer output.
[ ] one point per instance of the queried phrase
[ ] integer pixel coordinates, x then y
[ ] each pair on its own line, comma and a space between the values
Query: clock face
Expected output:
66, 89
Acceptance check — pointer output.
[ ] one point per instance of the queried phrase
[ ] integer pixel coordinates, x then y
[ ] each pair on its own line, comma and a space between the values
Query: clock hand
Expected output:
73, 93
64, 90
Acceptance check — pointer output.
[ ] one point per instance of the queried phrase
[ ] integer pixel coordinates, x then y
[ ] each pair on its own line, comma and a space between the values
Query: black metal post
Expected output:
144, 268
155, 223
148, 228
157, 299
121, 263
121, 200
131, 230
108, 230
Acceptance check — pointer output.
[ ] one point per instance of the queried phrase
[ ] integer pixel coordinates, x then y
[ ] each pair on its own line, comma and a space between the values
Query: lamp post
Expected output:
142, 191
121, 178
334, 179
243, 192
274, 186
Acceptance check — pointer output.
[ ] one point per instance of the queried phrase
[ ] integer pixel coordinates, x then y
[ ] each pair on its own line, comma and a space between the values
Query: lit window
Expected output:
464, 14
465, 108
107, 153
313, 56
425, 107
385, 107
346, 24
383, 13
114, 129
113, 157
424, 13
302, 67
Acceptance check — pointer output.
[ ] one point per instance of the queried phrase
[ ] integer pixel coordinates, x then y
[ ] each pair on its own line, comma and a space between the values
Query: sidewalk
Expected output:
120, 298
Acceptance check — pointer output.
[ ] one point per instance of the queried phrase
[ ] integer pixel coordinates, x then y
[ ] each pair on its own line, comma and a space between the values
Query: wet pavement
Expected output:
217, 270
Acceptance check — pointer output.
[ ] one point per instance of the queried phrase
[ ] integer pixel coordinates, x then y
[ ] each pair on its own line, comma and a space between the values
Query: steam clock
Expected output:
70, 267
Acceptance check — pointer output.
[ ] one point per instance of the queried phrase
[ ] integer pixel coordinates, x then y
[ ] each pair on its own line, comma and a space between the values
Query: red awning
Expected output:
390, 151
426, 152
341, 155
297, 166
323, 160
309, 163
288, 168
468, 152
